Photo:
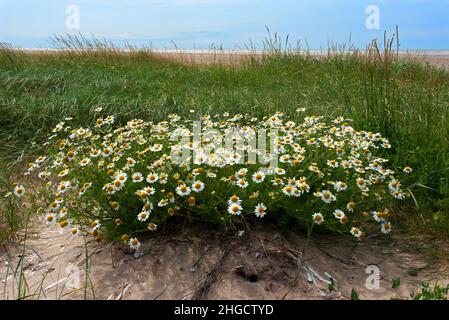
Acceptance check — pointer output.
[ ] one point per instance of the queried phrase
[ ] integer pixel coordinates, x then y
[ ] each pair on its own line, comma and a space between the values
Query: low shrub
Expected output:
113, 181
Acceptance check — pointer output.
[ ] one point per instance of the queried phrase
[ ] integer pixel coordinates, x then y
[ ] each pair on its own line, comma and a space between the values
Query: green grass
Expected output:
12, 219
406, 101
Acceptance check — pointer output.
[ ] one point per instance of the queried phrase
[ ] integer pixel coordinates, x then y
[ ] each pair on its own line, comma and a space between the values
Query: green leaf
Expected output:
396, 283
354, 295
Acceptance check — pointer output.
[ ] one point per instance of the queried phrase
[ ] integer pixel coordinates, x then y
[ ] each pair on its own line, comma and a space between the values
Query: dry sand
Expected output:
204, 264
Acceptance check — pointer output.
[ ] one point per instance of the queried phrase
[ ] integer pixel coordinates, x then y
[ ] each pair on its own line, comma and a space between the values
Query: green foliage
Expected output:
404, 100
119, 181
429, 293
12, 217
354, 295
396, 283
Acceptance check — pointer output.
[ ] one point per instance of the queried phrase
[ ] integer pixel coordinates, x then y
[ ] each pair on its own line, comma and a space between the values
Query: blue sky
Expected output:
424, 24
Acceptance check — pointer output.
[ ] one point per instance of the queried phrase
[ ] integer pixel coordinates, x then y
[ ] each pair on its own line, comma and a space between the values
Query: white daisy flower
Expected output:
288, 190
398, 194
94, 153
234, 200
149, 190
122, 176
148, 207
408, 170
134, 243
242, 183
118, 184
63, 173
394, 185
242, 173
152, 177
296, 192
95, 225
156, 148
107, 152
340, 186
183, 190
137, 177
327, 196
277, 181
143, 216
304, 187
19, 190
345, 164
385, 227
162, 203
197, 186
50, 217
260, 210
130, 162
84, 162
340, 215
63, 186
318, 218
235, 209
332, 163
375, 166
350, 206
356, 232
279, 171
258, 177
362, 184
75, 232
152, 226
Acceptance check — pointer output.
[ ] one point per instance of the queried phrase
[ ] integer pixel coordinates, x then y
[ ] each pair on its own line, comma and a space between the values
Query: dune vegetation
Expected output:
405, 101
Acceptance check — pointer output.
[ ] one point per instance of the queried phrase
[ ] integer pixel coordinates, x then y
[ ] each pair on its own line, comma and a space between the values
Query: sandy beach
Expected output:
434, 57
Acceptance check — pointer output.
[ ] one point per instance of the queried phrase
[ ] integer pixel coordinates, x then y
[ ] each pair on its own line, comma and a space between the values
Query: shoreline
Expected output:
439, 58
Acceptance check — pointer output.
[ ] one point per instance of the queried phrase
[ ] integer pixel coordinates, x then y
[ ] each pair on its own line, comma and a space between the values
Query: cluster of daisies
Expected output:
117, 181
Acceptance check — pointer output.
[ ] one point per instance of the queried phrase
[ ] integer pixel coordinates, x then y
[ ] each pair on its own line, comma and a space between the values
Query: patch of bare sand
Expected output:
204, 264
